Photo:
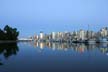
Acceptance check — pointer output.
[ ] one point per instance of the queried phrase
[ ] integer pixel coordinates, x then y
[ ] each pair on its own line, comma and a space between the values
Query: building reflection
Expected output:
7, 50
41, 45
78, 47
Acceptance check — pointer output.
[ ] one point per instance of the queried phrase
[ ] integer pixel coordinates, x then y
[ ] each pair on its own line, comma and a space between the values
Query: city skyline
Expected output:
80, 36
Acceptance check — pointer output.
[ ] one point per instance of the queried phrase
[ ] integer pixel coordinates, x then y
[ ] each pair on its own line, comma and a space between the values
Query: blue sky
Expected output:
33, 16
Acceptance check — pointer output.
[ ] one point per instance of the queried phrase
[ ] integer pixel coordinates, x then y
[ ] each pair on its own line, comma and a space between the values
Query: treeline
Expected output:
8, 33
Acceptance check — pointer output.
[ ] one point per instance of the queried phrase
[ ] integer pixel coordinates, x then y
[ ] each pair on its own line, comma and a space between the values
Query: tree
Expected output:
8, 33
2, 35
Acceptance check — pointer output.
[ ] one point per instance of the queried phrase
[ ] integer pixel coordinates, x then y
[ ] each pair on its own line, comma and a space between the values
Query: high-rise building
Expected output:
82, 34
53, 35
41, 35
104, 32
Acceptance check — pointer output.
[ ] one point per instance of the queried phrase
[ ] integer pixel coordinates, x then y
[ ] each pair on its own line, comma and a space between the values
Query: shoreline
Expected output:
85, 42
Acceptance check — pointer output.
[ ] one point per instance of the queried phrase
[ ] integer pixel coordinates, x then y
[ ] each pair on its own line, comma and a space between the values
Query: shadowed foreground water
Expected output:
53, 57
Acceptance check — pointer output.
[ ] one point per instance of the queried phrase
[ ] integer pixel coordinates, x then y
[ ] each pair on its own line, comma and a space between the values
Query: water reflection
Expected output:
7, 50
78, 47
57, 56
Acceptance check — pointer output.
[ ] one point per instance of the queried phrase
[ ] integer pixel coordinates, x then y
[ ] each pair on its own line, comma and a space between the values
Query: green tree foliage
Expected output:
8, 33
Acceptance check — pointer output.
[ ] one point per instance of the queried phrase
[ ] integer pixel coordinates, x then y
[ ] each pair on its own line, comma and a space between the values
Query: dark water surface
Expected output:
53, 57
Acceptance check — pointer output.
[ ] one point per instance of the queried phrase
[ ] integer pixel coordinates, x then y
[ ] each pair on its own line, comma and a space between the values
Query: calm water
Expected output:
42, 57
